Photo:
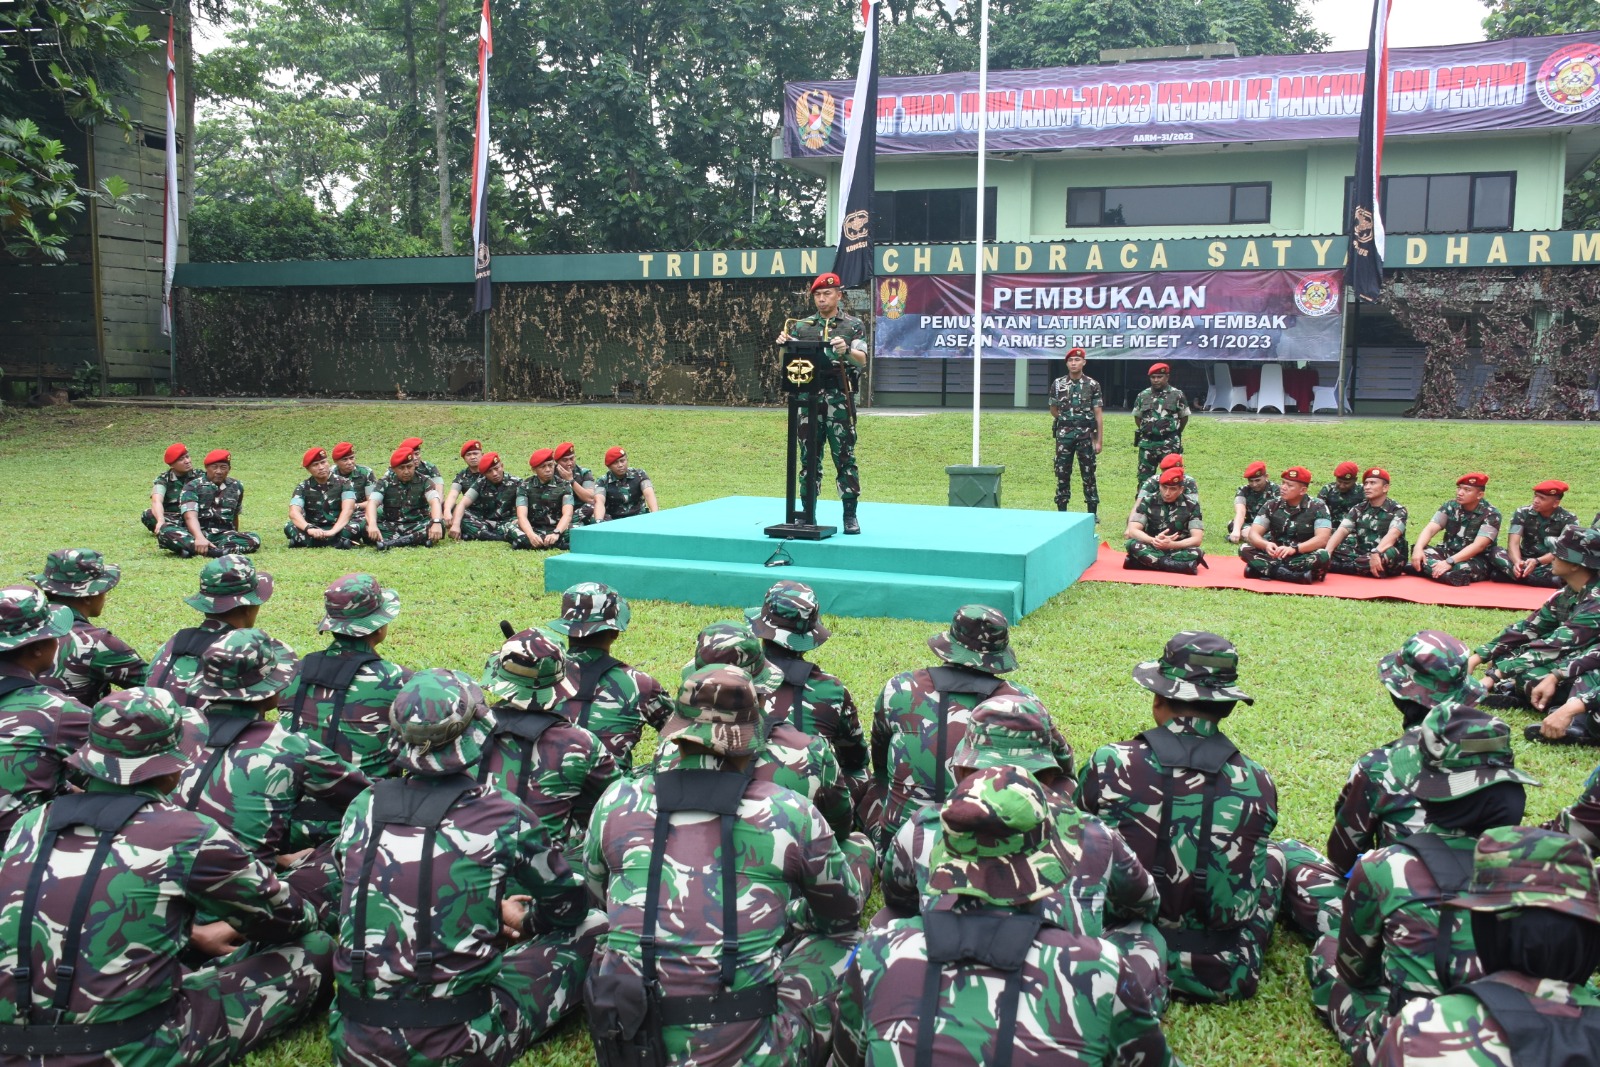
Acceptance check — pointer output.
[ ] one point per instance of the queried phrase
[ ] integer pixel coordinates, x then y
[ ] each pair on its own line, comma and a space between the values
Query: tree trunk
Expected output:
447, 243
413, 110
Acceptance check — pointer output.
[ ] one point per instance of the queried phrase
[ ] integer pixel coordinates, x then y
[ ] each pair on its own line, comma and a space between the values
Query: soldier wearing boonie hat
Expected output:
1471, 525
209, 509
168, 487
1531, 538
1371, 538
1219, 877
404, 506
1160, 414
622, 490
471, 453
996, 865
1535, 917
92, 659
1250, 498
544, 506
432, 861
70, 917
1343, 493
322, 509
1288, 538
230, 596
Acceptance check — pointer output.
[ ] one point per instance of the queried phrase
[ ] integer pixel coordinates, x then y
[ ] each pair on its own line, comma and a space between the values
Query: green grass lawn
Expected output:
1309, 661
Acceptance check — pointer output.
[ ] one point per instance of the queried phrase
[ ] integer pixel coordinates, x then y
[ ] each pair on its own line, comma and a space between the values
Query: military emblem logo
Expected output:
801, 371
1569, 81
481, 262
813, 117
1317, 296
892, 292
1363, 231
856, 226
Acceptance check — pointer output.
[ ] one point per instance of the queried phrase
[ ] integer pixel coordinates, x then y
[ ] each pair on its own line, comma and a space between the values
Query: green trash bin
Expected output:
975, 487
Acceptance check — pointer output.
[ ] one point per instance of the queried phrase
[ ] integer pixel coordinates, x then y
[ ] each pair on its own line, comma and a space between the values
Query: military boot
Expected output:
1174, 566
1290, 574
851, 526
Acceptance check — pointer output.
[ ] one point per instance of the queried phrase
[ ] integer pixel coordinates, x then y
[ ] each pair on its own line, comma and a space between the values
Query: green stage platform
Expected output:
912, 562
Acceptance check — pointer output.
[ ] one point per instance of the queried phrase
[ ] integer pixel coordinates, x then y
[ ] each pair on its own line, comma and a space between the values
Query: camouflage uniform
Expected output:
1553, 638
217, 509
1073, 427
1461, 528
544, 501
403, 513
92, 659
624, 495
120, 993
1339, 501
1157, 516
582, 513
838, 421
1365, 526
171, 484
39, 727
489, 511
1150, 489
995, 971
557, 769
1282, 524
320, 503
1219, 877
1253, 501
225, 583
613, 700
1538, 538
734, 856
1158, 420
361, 478
428, 861
1511, 1018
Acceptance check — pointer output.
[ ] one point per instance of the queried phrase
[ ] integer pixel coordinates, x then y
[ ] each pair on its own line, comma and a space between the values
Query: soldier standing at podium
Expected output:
845, 335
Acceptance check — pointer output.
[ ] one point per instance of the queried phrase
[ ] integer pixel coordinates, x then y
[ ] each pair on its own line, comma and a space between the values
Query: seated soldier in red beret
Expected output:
1343, 493
1288, 540
403, 507
1471, 526
1371, 538
323, 507
164, 492
544, 506
1165, 531
210, 509
1531, 538
1250, 498
471, 453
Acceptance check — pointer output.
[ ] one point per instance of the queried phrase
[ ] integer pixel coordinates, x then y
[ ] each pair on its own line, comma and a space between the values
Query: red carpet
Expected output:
1227, 572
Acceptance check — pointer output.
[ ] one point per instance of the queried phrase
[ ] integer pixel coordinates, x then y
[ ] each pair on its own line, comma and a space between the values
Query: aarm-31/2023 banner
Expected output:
1229, 315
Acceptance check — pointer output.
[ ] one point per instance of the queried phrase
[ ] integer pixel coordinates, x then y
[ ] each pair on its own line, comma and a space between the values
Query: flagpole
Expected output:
977, 271
169, 208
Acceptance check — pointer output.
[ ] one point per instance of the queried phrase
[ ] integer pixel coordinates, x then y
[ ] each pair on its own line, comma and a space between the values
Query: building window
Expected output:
1443, 203
913, 216
1170, 205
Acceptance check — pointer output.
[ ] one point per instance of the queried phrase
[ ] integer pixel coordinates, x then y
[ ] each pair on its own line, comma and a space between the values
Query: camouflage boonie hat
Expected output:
228, 582
716, 708
244, 665
996, 841
736, 645
591, 608
1007, 731
1580, 545
77, 572
531, 671
438, 722
133, 737
978, 637
1525, 867
1195, 665
356, 605
1464, 750
790, 616
1429, 667
26, 617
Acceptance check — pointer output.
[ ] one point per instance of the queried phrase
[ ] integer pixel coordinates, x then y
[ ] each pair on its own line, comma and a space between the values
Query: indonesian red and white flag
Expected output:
482, 298
169, 207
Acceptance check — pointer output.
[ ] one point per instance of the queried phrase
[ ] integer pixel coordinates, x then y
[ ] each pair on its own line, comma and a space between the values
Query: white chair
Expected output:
1324, 396
1270, 394
1223, 393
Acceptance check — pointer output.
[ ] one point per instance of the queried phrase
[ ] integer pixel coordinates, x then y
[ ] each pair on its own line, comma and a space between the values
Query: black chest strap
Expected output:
11, 684
1538, 1039
225, 730
335, 671
796, 673
948, 681
189, 641
577, 708
523, 728
1451, 870
1192, 752
996, 939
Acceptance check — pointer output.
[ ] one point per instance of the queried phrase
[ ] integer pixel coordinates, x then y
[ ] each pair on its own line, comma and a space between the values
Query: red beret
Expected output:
1376, 472
218, 455
564, 449
471, 446
400, 455
544, 455
175, 451
826, 281
613, 454
411, 442
486, 461
1346, 470
1477, 479
1158, 368
1256, 469
1075, 352
1174, 459
343, 449
1553, 487
1172, 476
312, 455
1297, 474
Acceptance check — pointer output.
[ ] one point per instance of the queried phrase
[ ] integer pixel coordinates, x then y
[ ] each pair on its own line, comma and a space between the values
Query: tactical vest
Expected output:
335, 671
949, 681
587, 686
223, 731
106, 813
1451, 870
410, 502
422, 803
1537, 1039
796, 673
989, 937
625, 495
191, 641
524, 728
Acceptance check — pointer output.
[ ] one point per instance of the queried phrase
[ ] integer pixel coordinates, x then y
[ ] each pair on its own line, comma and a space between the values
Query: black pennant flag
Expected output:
853, 261
1365, 259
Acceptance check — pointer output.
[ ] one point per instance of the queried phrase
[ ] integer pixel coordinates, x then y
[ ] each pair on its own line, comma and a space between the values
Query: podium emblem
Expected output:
801, 371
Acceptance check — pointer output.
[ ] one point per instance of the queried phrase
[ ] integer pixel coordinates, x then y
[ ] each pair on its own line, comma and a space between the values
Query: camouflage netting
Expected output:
642, 342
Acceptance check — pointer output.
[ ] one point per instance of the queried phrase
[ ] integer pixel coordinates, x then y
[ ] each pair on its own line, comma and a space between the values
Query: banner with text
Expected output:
1522, 83
1234, 315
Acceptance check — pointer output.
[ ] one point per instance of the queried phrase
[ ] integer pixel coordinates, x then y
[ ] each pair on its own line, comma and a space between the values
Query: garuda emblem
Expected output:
892, 292
813, 117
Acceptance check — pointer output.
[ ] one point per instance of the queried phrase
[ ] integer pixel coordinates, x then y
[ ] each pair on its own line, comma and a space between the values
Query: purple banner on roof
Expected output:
1525, 83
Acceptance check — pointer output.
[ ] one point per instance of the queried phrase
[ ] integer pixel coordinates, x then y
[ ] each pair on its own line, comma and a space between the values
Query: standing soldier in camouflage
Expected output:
580, 480
1471, 525
1289, 537
403, 508
254, 777
1078, 425
210, 508
361, 479
322, 509
924, 990
921, 716
487, 511
39, 726
844, 339
167, 488
1249, 499
789, 624
463, 937
1535, 916
471, 453
544, 506
92, 659
701, 868
1160, 414
1165, 532
427, 470
556, 768
98, 896
1198, 813
1371, 538
231, 594
1531, 538
1343, 493
612, 700
622, 490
